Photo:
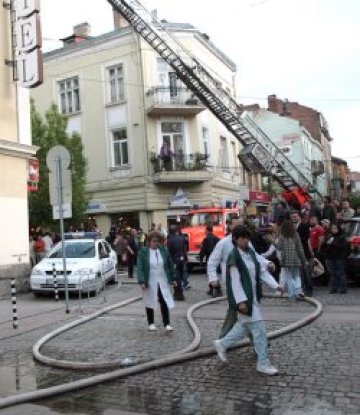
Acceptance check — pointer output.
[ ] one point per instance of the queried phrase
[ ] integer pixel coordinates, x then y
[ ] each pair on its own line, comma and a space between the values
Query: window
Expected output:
203, 219
167, 78
172, 135
205, 138
120, 147
234, 156
69, 95
116, 83
223, 154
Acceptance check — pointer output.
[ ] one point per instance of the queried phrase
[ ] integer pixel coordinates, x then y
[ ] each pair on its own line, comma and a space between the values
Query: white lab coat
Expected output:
157, 278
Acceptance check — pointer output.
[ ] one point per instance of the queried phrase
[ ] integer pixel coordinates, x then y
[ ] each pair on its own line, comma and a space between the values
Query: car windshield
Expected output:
205, 218
75, 250
351, 228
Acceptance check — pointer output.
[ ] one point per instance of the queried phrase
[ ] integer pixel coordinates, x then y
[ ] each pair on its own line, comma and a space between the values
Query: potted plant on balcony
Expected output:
199, 161
155, 161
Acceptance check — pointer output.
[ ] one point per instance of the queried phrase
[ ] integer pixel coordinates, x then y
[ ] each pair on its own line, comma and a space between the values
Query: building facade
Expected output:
341, 180
153, 149
305, 153
15, 152
314, 122
355, 181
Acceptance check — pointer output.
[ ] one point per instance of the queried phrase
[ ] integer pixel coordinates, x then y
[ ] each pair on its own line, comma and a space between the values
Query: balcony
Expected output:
172, 102
180, 168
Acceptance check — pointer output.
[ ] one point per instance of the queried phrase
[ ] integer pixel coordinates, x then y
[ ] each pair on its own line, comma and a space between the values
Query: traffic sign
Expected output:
66, 188
60, 186
67, 211
58, 154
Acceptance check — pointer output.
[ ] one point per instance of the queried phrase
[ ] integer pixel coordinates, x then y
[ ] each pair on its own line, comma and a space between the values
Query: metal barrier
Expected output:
56, 292
13, 301
96, 285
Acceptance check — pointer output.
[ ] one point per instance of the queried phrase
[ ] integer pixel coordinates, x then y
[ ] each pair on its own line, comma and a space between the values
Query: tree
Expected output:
46, 134
355, 200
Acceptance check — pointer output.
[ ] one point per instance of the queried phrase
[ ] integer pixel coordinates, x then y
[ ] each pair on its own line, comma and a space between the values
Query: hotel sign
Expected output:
28, 54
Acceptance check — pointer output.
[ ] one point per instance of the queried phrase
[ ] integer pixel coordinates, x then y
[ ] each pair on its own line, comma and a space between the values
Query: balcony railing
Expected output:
172, 101
179, 162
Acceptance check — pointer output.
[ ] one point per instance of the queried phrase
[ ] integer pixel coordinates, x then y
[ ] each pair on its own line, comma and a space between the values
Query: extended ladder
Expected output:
259, 153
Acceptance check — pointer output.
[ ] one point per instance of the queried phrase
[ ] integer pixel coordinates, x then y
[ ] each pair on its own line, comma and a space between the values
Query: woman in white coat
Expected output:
155, 273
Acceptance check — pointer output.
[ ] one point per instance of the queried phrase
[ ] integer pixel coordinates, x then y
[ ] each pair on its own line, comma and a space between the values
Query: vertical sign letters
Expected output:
28, 43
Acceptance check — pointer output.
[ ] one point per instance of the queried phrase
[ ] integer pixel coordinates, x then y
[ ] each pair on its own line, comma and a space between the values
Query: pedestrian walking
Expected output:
292, 258
177, 246
120, 247
219, 257
335, 251
208, 244
132, 251
155, 274
302, 226
243, 285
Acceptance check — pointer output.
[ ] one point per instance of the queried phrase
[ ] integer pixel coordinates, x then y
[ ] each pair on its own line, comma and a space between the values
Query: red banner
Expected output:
259, 196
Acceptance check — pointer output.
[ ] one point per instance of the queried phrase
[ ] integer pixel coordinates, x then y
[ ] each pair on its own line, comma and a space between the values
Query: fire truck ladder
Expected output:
259, 154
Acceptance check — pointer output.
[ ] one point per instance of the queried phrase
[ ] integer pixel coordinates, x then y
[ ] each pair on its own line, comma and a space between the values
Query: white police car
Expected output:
89, 263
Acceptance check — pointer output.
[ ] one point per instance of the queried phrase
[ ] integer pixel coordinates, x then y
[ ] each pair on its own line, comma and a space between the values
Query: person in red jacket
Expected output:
39, 247
317, 233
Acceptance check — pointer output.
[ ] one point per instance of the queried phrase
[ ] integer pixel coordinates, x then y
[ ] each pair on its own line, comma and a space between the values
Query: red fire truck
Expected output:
196, 228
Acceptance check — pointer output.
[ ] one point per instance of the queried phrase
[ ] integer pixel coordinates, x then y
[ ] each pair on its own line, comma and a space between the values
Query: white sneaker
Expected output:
168, 328
152, 327
268, 369
220, 350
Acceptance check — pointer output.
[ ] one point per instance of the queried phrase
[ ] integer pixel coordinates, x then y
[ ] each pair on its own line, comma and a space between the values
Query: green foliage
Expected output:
46, 134
355, 200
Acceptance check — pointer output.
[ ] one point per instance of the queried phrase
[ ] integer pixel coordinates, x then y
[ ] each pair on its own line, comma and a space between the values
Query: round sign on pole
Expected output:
58, 153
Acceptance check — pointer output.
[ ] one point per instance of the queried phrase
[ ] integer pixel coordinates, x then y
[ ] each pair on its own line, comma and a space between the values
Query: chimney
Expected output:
82, 30
119, 21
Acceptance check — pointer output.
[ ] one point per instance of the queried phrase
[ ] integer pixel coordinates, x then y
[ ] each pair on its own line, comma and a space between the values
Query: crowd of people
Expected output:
284, 253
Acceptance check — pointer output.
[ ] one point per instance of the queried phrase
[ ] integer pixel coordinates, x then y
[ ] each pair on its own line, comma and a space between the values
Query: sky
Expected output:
307, 51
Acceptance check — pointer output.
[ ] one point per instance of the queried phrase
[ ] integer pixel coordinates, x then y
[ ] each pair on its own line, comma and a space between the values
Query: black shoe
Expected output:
332, 291
179, 298
217, 293
342, 292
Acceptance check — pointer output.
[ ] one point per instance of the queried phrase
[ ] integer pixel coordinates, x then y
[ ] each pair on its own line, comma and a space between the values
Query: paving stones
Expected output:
319, 364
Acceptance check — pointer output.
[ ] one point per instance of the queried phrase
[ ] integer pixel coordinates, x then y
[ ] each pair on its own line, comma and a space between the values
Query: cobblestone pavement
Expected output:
319, 364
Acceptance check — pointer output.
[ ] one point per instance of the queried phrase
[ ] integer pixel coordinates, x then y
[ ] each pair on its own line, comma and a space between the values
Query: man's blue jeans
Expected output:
258, 332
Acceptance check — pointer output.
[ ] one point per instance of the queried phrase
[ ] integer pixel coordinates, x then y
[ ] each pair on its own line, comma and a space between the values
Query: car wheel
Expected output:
37, 294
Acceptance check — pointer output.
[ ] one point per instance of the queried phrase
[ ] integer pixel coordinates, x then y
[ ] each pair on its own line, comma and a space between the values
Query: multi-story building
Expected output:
290, 135
341, 182
15, 152
153, 149
314, 122
355, 181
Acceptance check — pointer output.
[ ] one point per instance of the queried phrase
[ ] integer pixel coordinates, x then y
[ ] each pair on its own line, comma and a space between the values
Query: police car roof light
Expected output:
82, 235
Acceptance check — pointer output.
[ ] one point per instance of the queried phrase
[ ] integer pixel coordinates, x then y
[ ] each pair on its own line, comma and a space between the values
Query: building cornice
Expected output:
13, 149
